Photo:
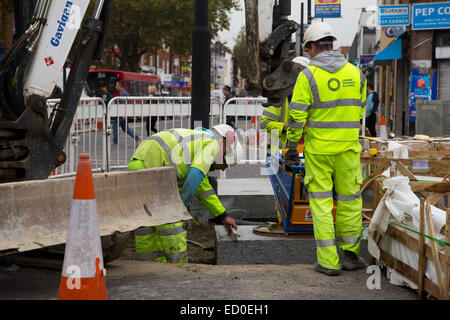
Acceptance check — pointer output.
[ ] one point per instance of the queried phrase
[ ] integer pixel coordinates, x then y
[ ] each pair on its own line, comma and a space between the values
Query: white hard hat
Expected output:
235, 151
303, 61
318, 30
223, 129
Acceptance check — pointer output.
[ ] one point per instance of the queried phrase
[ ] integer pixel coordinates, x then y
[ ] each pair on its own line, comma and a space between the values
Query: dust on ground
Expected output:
198, 236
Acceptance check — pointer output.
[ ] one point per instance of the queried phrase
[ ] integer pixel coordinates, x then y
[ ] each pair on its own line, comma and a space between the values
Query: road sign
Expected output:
396, 15
431, 16
327, 9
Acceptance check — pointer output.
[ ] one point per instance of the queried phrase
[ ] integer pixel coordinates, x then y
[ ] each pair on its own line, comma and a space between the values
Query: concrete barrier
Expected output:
36, 214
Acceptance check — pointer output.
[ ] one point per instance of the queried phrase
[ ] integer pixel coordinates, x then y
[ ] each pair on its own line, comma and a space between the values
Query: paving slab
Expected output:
253, 195
251, 248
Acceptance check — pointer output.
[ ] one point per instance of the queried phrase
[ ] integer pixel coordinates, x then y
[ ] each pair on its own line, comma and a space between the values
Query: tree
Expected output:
6, 8
240, 52
142, 26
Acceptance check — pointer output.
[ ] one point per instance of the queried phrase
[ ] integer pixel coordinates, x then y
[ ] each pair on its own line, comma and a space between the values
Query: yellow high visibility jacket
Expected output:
273, 120
329, 98
184, 148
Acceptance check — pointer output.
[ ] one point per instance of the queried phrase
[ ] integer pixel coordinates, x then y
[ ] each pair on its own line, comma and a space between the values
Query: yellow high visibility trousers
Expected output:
165, 243
344, 170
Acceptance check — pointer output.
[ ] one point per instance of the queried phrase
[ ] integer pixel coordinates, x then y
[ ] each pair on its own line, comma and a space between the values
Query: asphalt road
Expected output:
135, 280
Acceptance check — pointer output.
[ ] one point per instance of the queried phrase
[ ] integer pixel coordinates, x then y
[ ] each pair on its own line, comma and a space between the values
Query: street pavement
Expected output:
136, 280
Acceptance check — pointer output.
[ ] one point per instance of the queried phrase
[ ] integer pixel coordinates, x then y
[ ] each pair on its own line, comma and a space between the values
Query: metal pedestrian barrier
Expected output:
95, 125
111, 134
245, 114
86, 136
132, 119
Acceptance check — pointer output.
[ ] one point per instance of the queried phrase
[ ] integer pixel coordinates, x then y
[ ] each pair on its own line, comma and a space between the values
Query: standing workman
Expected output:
275, 119
195, 153
329, 98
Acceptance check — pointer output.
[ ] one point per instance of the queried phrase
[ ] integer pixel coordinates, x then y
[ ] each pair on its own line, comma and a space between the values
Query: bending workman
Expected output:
195, 153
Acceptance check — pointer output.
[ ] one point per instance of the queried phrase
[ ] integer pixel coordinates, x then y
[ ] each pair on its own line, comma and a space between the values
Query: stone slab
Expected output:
255, 249
245, 186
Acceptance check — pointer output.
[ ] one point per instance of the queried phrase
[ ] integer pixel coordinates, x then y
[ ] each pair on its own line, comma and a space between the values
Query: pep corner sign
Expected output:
394, 15
426, 16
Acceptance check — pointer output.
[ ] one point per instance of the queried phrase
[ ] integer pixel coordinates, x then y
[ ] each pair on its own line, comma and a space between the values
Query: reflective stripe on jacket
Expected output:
331, 105
273, 120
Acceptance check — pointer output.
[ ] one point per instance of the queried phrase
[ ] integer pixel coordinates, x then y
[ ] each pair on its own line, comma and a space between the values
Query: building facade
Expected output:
411, 65
174, 70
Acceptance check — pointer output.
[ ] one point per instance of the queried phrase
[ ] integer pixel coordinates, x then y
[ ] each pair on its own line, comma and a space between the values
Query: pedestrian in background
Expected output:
152, 92
227, 92
122, 92
371, 111
105, 95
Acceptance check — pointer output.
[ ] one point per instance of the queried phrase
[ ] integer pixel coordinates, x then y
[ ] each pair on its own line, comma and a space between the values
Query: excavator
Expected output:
32, 140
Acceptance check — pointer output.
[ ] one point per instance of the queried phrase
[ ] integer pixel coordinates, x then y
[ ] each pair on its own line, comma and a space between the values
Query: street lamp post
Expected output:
201, 66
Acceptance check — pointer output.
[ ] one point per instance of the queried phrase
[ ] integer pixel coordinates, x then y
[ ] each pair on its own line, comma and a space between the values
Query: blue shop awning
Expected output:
391, 52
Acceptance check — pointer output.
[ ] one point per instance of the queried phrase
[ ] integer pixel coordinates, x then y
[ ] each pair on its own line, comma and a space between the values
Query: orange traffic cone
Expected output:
83, 275
383, 129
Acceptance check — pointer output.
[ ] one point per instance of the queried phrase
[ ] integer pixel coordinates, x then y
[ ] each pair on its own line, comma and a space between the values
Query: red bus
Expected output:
135, 83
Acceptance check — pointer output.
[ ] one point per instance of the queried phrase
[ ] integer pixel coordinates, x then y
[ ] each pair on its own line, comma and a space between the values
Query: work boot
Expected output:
351, 261
291, 157
328, 272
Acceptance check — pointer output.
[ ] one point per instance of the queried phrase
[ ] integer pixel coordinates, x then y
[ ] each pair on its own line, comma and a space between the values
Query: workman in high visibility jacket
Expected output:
195, 153
329, 98
275, 119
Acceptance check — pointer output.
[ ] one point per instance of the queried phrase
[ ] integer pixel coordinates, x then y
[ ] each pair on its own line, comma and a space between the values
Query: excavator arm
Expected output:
31, 142
271, 72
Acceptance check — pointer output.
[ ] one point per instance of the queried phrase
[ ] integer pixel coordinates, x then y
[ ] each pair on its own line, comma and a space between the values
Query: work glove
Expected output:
226, 220
291, 157
190, 185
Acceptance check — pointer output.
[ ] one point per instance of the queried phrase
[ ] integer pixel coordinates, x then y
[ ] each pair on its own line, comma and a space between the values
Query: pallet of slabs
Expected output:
420, 166
428, 255
413, 144
429, 179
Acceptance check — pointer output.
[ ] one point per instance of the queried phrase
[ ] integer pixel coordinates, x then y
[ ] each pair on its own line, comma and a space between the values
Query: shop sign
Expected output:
426, 16
327, 9
395, 15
